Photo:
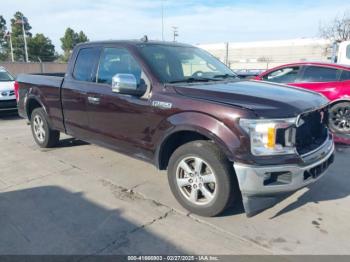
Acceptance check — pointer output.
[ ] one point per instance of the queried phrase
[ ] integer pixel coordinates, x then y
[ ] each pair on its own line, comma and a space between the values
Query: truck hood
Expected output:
267, 100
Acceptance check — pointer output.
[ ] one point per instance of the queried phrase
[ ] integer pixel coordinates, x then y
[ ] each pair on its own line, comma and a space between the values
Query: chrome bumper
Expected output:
254, 180
261, 187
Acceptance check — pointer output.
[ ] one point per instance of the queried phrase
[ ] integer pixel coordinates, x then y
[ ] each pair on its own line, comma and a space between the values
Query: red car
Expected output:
331, 80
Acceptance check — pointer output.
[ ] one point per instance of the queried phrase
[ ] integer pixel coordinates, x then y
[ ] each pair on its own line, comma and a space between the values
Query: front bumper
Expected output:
262, 187
8, 105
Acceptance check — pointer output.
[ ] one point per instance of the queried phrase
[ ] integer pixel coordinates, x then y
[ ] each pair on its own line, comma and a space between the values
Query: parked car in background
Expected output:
331, 80
247, 74
7, 91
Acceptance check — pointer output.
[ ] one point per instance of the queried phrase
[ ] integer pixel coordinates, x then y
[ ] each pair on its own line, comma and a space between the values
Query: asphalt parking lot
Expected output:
82, 199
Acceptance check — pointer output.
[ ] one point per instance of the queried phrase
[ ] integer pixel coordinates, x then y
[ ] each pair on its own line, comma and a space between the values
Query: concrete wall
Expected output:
46, 67
268, 54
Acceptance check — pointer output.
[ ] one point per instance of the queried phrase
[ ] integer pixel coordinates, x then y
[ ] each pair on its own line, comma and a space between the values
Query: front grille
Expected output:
8, 103
319, 169
312, 132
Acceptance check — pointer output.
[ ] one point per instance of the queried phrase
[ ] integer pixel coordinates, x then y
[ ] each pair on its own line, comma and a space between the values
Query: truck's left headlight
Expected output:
270, 137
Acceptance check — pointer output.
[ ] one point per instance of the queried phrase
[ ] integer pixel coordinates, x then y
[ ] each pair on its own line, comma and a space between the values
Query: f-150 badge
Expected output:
160, 104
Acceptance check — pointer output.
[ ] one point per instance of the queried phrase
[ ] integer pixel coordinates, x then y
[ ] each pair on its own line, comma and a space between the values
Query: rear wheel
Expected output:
43, 135
339, 118
202, 179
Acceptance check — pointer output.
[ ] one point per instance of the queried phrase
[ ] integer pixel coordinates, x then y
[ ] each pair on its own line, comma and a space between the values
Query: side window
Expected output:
283, 75
348, 51
85, 64
319, 74
117, 61
345, 76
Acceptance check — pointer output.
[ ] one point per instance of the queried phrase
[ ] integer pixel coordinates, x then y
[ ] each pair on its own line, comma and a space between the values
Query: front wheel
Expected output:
43, 135
339, 118
202, 179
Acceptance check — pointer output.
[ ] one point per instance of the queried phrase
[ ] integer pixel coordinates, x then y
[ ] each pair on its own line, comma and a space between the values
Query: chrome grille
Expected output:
312, 131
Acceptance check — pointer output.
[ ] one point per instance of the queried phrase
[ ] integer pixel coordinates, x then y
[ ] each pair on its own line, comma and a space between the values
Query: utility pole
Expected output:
9, 35
175, 33
162, 20
23, 22
25, 40
226, 53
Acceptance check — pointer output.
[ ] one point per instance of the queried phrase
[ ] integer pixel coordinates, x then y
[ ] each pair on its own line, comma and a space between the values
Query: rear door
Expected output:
324, 80
345, 84
74, 91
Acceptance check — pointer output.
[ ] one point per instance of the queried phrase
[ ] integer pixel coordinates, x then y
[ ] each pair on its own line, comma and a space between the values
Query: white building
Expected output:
267, 54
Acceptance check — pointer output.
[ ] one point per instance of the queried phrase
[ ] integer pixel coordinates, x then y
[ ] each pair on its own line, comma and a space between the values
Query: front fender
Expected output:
345, 98
205, 125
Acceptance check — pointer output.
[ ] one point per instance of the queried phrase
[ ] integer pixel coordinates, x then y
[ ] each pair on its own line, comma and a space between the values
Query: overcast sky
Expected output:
206, 21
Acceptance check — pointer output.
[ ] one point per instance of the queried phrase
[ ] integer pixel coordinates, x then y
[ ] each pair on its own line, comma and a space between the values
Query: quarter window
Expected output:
345, 75
283, 75
85, 64
319, 74
117, 61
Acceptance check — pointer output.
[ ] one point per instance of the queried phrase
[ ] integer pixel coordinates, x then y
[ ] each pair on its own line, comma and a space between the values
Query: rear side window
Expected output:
283, 75
85, 64
345, 76
320, 74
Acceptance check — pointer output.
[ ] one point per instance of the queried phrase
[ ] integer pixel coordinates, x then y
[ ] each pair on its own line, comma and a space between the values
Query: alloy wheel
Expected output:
39, 129
340, 118
196, 180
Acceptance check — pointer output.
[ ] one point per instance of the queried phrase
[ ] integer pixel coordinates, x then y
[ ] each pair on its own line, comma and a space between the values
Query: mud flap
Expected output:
254, 205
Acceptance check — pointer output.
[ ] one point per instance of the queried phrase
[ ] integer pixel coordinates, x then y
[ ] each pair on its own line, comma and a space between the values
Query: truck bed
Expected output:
48, 79
46, 87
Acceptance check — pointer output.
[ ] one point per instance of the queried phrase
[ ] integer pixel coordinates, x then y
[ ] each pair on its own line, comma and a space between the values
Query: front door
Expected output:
119, 121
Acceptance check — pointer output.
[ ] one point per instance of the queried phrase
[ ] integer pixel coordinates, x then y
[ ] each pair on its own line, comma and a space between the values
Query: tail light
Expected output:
16, 87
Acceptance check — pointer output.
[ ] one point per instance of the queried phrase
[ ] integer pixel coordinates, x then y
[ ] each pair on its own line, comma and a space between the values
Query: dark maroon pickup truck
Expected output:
179, 108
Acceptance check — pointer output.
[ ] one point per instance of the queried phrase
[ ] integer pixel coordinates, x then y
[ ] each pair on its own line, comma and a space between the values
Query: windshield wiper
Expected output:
224, 76
193, 79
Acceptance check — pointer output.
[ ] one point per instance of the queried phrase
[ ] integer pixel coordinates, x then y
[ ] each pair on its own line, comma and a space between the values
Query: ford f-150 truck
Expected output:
222, 139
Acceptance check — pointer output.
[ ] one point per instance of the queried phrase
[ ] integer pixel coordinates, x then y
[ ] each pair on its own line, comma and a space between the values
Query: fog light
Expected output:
277, 178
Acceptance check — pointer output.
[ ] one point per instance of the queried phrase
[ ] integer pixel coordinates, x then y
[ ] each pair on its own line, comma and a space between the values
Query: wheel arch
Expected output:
184, 130
339, 100
32, 103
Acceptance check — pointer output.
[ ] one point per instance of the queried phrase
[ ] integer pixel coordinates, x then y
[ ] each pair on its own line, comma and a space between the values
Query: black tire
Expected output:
339, 118
226, 183
50, 137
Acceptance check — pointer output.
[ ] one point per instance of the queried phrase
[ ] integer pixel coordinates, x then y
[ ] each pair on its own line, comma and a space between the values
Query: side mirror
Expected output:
126, 84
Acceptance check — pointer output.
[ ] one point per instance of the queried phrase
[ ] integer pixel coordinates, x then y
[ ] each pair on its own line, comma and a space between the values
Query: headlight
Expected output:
270, 137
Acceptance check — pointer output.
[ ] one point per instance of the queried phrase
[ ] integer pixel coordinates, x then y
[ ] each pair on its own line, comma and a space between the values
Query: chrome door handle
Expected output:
93, 100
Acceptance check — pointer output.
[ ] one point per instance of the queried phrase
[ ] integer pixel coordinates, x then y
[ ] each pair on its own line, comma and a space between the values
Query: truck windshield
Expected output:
5, 76
174, 64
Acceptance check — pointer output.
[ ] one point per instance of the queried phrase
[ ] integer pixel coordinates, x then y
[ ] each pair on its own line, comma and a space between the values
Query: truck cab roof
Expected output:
134, 43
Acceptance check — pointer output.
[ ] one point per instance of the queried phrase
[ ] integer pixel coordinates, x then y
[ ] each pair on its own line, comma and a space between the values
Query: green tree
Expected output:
82, 38
4, 46
40, 48
17, 35
71, 39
